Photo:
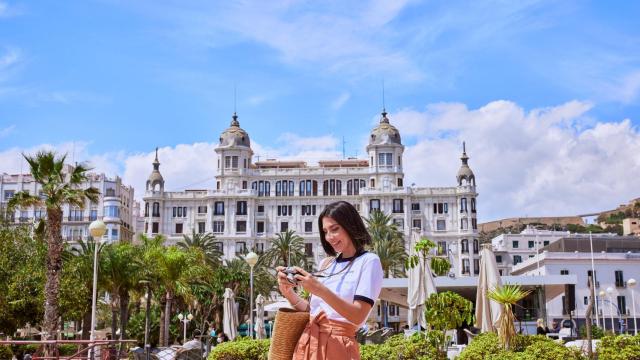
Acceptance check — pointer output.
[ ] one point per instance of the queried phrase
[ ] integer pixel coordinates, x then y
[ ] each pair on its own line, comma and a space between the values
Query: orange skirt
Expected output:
325, 339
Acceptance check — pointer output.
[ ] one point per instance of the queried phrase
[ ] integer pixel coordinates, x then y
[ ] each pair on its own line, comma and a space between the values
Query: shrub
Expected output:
416, 347
619, 347
5, 352
67, 349
596, 332
241, 349
525, 347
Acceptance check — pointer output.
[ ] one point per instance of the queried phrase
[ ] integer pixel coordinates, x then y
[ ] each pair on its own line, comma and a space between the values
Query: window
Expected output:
308, 210
374, 204
308, 188
399, 223
74, 215
244, 182
385, 159
41, 214
399, 179
474, 224
619, 278
332, 187
417, 223
440, 208
308, 226
464, 224
112, 211
441, 225
473, 205
285, 210
241, 227
201, 227
564, 272
463, 205
476, 246
110, 192
202, 209
499, 259
545, 243
532, 244
415, 206
218, 227
241, 247
230, 162
308, 249
515, 244
622, 304
442, 248
154, 228
476, 266
93, 214
465, 266
594, 277
517, 259
284, 226
260, 209
146, 209
263, 187
218, 208
241, 208
285, 188
259, 248
398, 206
586, 300
373, 183
179, 211
8, 194
178, 229
260, 227
219, 246
464, 245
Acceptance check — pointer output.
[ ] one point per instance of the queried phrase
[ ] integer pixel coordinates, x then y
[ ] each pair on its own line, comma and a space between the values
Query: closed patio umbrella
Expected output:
230, 315
259, 328
487, 311
421, 286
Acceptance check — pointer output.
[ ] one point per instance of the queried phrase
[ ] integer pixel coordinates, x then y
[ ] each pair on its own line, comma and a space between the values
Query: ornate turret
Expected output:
385, 133
155, 178
465, 173
234, 135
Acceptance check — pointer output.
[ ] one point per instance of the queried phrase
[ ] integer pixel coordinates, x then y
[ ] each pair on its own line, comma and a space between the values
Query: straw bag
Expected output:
287, 329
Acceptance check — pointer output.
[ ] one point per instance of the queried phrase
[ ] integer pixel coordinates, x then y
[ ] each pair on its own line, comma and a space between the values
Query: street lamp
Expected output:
97, 229
147, 296
609, 292
631, 283
185, 319
604, 323
251, 259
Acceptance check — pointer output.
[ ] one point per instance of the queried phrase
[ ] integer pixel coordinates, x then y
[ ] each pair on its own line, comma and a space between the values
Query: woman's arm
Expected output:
355, 311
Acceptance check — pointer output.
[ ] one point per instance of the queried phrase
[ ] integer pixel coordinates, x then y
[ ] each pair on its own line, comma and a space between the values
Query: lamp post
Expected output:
631, 283
185, 319
251, 259
97, 229
609, 292
604, 323
147, 296
593, 276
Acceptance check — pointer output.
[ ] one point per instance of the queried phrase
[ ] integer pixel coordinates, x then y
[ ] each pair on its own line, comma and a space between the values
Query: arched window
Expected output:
156, 209
146, 209
464, 244
476, 246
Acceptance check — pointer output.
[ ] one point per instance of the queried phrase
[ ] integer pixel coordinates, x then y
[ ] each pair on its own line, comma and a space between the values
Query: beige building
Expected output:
631, 226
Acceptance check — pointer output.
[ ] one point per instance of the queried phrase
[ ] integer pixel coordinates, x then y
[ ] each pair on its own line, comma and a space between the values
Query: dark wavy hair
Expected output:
348, 217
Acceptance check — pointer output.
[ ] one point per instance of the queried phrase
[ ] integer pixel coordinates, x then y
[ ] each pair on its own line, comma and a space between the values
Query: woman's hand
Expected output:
285, 287
310, 283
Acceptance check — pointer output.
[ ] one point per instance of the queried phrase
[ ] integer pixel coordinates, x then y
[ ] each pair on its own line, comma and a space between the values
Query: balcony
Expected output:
74, 218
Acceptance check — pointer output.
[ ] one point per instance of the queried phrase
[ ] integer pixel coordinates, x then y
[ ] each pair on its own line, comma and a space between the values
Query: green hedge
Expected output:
241, 349
486, 346
621, 347
5, 352
416, 347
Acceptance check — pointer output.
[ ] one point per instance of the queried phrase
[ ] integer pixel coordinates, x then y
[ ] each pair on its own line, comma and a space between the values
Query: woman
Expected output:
342, 292
541, 329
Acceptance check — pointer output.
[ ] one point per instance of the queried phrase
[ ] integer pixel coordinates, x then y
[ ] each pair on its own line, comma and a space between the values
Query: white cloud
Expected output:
539, 162
339, 102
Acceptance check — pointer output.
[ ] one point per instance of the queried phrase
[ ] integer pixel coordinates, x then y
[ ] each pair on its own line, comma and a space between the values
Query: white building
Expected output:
114, 206
616, 259
251, 201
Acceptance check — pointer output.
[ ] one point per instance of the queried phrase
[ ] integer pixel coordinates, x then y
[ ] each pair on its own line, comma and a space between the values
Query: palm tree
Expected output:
83, 253
58, 188
507, 295
287, 249
205, 242
120, 272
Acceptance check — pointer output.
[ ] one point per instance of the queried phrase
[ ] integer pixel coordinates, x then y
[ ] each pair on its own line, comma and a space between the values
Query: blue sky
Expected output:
109, 81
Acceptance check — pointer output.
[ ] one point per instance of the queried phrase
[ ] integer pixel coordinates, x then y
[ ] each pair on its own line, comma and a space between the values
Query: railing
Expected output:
86, 349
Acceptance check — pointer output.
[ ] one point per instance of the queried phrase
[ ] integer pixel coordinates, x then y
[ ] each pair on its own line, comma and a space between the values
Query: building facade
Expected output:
251, 202
114, 207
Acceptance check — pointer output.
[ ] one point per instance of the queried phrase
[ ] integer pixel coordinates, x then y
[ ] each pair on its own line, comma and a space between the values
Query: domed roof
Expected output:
155, 177
465, 172
234, 135
385, 133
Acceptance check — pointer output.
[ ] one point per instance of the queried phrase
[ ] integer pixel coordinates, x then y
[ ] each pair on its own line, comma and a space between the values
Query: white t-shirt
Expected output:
362, 281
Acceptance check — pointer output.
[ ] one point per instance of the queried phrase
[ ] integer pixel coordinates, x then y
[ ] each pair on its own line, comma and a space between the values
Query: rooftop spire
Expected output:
384, 119
464, 156
156, 163
234, 121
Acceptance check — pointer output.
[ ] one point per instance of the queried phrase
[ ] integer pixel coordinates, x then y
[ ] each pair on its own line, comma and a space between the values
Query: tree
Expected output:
444, 311
507, 296
204, 242
388, 244
58, 188
287, 249
439, 265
